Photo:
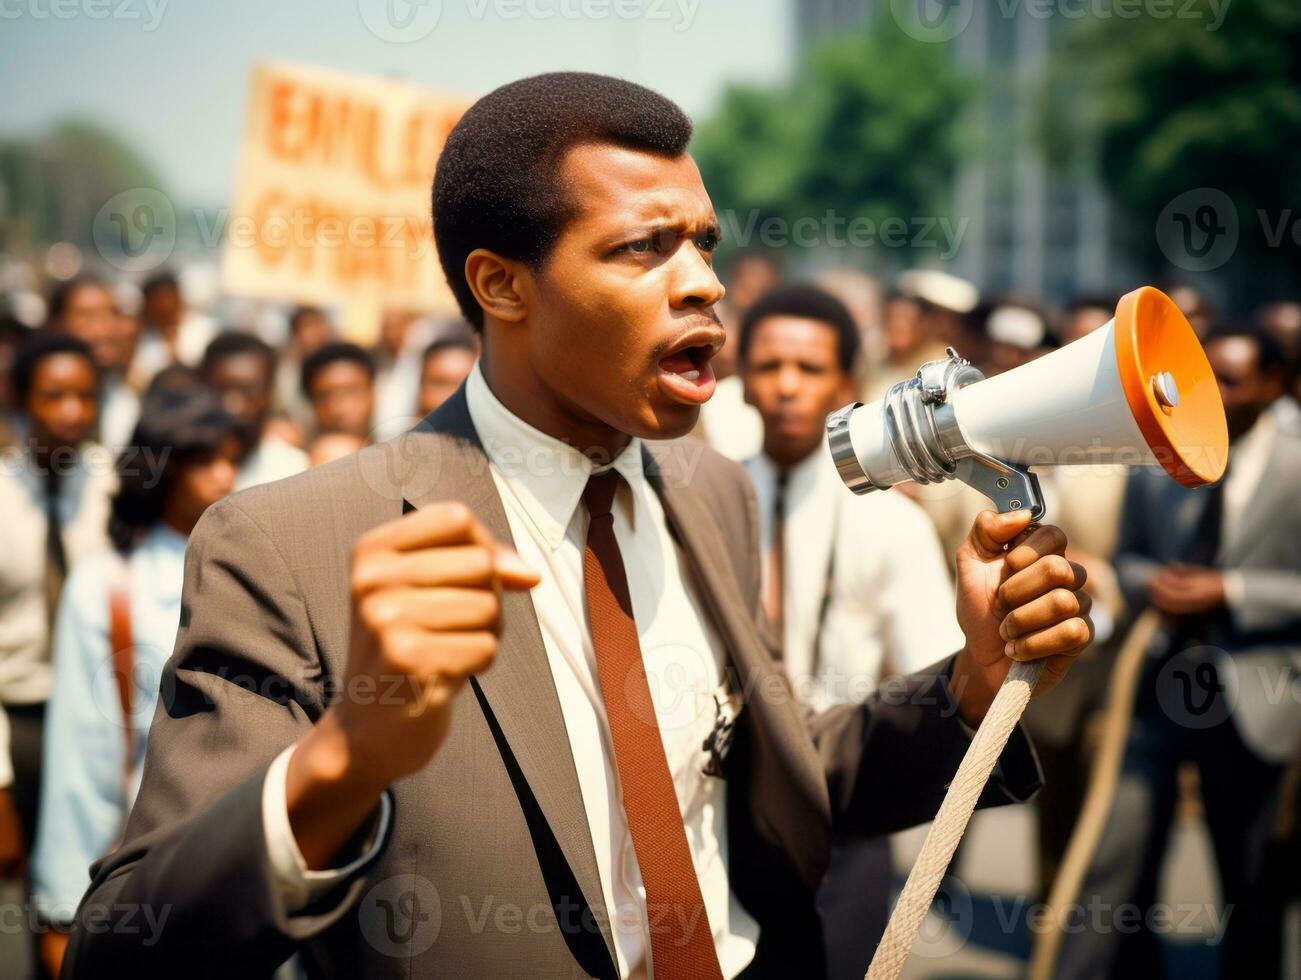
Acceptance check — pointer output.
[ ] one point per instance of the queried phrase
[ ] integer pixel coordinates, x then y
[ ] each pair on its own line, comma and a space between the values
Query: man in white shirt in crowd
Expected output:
242, 369
857, 587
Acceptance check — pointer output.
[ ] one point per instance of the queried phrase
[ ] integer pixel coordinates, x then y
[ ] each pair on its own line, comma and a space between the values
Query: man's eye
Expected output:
707, 242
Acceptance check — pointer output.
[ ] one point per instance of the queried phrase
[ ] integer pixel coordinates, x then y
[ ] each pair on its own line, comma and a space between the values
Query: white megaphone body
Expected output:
1138, 391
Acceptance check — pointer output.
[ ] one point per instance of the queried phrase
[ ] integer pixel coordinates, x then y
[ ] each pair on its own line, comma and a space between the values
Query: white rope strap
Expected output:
951, 821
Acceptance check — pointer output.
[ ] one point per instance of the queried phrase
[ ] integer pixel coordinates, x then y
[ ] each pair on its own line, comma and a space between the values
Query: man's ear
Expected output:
495, 282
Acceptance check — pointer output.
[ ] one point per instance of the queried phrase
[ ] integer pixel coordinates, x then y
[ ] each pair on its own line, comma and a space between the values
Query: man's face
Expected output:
311, 332
442, 374
243, 383
92, 317
163, 308
1244, 389
792, 375
202, 482
63, 400
621, 323
343, 398
903, 326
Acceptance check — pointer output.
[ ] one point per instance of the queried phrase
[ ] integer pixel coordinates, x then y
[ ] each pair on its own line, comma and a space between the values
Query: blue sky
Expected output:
172, 75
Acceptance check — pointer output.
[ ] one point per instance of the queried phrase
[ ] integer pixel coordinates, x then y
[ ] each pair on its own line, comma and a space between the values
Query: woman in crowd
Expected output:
116, 624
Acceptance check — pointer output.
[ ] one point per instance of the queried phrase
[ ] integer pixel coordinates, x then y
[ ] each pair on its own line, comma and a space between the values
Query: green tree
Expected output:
1167, 106
52, 186
868, 128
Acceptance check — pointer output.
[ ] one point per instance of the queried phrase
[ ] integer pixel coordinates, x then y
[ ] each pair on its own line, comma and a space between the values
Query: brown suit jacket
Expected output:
488, 869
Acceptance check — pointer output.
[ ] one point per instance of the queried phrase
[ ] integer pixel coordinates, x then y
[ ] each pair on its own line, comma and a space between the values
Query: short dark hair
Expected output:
810, 303
450, 343
497, 185
331, 353
43, 344
304, 311
162, 279
177, 426
56, 304
1270, 355
233, 343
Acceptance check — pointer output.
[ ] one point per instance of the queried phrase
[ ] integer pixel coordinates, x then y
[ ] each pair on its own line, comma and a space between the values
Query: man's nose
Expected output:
694, 281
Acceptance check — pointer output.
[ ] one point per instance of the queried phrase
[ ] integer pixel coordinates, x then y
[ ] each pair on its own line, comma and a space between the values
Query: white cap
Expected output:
939, 289
1016, 325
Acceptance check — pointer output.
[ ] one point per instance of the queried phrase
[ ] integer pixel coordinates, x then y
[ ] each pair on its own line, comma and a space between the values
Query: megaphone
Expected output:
1138, 391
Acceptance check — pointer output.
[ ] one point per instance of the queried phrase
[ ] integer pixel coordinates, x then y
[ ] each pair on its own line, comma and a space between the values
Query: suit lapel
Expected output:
443, 459
1256, 518
794, 806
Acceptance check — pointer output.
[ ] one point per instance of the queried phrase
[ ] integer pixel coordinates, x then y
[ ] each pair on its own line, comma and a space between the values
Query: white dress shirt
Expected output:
541, 482
891, 598
83, 504
271, 459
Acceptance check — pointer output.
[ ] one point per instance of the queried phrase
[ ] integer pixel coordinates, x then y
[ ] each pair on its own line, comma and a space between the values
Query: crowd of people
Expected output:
122, 421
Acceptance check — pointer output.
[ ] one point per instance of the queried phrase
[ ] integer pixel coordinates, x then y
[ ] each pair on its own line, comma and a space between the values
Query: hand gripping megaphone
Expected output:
1137, 391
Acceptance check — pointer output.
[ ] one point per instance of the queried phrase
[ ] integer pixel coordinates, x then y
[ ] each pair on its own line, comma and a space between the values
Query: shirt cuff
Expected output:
298, 885
1235, 589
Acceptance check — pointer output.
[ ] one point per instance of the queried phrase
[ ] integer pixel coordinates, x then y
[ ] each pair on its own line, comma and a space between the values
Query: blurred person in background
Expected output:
948, 316
403, 336
241, 369
328, 447
1086, 314
339, 382
907, 346
309, 330
727, 423
54, 495
13, 332
87, 309
1282, 321
1193, 304
128, 594
170, 333
445, 365
1017, 333
1222, 565
855, 587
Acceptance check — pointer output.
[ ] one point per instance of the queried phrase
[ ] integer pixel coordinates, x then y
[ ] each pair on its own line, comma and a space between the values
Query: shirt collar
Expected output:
803, 478
548, 476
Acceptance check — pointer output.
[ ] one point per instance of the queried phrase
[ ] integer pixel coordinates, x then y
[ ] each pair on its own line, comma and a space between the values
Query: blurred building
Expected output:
1033, 229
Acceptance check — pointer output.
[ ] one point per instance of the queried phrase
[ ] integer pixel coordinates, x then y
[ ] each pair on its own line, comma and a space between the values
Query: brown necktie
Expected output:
681, 940
773, 597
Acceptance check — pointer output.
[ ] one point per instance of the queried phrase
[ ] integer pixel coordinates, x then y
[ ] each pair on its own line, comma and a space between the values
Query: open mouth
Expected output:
686, 374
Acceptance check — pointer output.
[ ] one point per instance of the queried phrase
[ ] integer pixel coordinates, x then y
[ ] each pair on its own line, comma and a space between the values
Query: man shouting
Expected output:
497, 698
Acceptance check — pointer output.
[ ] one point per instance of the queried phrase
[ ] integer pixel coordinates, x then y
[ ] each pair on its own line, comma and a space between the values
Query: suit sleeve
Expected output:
888, 761
1134, 564
195, 872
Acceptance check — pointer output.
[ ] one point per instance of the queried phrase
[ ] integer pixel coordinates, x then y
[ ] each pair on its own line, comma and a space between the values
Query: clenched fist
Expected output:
1019, 598
426, 604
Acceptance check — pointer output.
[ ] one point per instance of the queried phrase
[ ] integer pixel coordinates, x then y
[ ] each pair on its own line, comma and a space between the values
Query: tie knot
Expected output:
599, 494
